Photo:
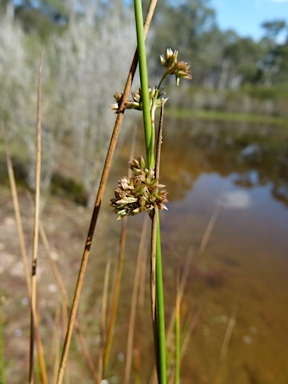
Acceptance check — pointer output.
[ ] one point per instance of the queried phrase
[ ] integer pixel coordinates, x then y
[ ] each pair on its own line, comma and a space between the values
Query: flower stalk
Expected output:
149, 128
142, 191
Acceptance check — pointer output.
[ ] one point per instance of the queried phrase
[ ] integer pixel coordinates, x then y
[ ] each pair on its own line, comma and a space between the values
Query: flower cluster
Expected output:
141, 192
136, 103
180, 69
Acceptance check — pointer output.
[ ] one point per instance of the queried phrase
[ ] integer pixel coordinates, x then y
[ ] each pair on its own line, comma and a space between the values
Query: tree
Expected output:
273, 65
273, 28
77, 88
242, 56
88, 55
186, 27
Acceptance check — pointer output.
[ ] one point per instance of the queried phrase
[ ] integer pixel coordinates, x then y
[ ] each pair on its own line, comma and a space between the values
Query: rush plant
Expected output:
143, 191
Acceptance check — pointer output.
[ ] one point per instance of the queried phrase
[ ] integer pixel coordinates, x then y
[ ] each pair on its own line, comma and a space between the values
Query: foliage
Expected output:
219, 59
77, 84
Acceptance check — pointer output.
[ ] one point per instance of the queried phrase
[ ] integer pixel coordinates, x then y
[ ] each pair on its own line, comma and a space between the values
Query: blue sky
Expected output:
246, 16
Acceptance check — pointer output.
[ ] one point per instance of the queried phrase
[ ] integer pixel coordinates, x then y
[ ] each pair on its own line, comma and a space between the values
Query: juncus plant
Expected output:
142, 191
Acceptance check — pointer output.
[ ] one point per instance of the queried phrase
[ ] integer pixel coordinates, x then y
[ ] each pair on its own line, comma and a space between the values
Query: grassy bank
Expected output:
250, 104
187, 113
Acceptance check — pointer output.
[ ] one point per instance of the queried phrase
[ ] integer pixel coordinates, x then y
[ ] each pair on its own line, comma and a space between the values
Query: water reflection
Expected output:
258, 155
242, 170
235, 200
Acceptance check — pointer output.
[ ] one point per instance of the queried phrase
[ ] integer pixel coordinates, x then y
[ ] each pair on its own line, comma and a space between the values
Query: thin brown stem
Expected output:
225, 344
115, 295
103, 320
177, 328
53, 265
131, 328
179, 297
180, 291
55, 344
209, 229
34, 323
137, 360
17, 211
159, 142
191, 327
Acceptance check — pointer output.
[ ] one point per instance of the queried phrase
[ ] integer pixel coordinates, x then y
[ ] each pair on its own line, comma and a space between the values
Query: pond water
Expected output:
237, 173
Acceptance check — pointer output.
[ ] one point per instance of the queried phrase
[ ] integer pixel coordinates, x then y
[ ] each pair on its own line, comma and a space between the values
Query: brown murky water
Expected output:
238, 172
242, 174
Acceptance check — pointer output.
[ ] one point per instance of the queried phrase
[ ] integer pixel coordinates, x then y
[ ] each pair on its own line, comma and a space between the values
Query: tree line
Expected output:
86, 60
221, 59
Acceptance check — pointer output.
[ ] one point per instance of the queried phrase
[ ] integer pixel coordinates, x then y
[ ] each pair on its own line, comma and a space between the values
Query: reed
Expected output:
149, 100
143, 192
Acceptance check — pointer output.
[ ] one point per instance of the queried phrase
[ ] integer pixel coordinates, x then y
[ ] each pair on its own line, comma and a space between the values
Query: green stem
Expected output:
148, 129
161, 81
148, 117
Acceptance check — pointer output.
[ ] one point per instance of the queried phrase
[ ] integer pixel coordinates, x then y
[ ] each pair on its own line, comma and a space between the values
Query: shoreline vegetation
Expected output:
248, 104
225, 116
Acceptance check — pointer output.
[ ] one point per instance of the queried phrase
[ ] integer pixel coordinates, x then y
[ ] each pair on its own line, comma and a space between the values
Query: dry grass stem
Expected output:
115, 295
53, 265
191, 327
103, 320
209, 230
228, 334
40, 351
141, 254
55, 344
22, 245
34, 331
177, 329
137, 359
17, 211
180, 288
159, 142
